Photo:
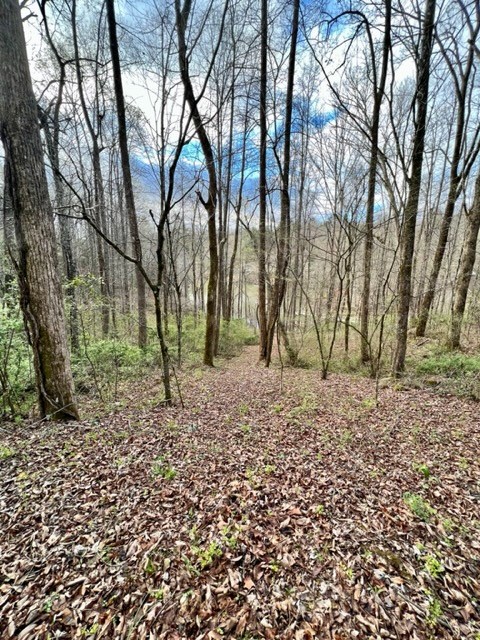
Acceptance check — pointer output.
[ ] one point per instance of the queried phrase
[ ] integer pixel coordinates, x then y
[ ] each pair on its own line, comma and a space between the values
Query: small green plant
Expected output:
423, 469
230, 536
308, 406
107, 555
448, 524
68, 449
161, 468
348, 571
274, 566
320, 509
150, 567
419, 506
345, 438
277, 408
172, 426
434, 612
369, 403
269, 469
416, 430
205, 557
91, 631
93, 436
463, 464
246, 428
419, 546
158, 594
433, 566
120, 435
243, 409
124, 461
48, 604
6, 452
190, 566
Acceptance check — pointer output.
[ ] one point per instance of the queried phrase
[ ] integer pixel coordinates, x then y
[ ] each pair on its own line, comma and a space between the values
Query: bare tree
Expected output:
262, 186
407, 245
182, 15
462, 72
283, 251
127, 174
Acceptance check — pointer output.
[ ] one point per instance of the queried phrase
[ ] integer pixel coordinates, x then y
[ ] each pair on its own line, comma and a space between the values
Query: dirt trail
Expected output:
251, 513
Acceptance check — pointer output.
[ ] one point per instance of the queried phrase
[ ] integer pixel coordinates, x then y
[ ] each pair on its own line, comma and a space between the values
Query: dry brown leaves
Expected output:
250, 514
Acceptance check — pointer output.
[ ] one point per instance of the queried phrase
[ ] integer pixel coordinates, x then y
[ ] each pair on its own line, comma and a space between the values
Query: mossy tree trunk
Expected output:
37, 265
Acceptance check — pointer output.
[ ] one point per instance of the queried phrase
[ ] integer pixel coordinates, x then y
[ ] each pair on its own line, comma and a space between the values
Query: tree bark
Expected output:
407, 241
455, 178
38, 271
283, 254
466, 267
262, 187
372, 179
100, 217
210, 203
127, 174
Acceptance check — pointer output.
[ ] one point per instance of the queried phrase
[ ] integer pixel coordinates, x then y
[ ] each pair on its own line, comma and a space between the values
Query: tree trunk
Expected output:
283, 254
262, 187
455, 178
372, 179
210, 204
127, 175
41, 293
100, 218
64, 224
466, 267
407, 241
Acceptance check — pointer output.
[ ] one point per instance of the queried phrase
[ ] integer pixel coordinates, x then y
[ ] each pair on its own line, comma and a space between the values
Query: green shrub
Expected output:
193, 336
17, 380
103, 363
452, 365
233, 336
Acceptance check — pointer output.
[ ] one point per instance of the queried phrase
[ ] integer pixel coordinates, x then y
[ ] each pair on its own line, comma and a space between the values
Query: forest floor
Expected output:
254, 512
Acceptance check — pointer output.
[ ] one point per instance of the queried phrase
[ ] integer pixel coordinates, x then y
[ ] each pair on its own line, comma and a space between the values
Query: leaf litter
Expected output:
252, 513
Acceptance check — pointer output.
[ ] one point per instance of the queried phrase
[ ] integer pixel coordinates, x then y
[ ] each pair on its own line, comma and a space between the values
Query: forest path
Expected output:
251, 513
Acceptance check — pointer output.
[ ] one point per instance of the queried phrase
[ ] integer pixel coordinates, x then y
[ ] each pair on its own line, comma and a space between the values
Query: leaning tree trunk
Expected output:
407, 241
466, 267
38, 272
456, 177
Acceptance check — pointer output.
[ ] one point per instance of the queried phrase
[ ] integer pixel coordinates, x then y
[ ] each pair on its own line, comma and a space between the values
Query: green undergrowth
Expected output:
17, 383
430, 364
102, 366
450, 372
451, 365
233, 336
